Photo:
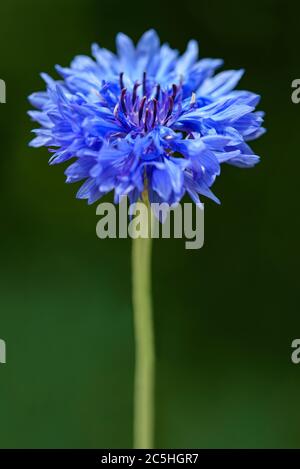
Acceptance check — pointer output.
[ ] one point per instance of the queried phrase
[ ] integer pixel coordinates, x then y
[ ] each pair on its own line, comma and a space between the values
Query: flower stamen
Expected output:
147, 115
123, 102
141, 110
175, 89
171, 106
157, 92
154, 112
134, 92
145, 84
121, 80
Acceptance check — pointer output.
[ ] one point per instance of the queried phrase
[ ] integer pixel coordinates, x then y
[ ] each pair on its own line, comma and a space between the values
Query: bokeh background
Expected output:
225, 315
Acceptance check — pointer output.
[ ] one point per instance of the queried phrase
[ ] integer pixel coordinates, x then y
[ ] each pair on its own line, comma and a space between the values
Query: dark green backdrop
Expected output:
225, 315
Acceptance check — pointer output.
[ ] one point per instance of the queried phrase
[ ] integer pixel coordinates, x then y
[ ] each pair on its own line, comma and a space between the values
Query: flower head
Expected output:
146, 117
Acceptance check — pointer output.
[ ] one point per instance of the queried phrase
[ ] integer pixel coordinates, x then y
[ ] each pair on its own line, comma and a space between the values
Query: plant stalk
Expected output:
144, 341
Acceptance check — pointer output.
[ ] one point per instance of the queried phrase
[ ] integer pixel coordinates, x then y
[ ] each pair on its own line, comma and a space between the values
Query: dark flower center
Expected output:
147, 105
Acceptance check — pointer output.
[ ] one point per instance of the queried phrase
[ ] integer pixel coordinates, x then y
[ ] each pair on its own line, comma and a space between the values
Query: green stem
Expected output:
144, 344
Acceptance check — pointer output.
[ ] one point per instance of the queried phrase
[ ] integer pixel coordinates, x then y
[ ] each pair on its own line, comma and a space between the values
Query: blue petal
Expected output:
221, 84
188, 58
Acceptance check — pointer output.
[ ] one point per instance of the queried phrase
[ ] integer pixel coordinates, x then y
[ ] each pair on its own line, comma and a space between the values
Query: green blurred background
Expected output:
225, 315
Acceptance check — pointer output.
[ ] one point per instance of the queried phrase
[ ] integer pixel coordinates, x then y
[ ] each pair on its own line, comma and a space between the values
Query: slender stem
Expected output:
144, 344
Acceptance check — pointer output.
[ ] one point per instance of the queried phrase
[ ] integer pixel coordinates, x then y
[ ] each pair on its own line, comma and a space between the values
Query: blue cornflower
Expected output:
146, 118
